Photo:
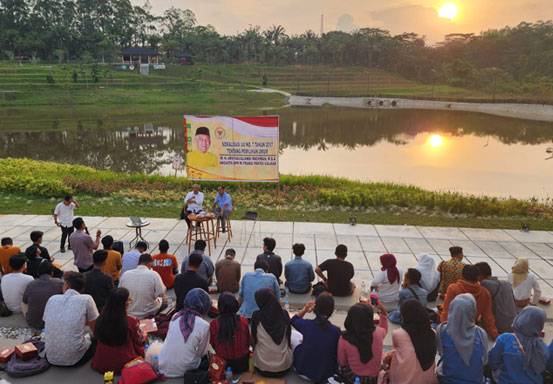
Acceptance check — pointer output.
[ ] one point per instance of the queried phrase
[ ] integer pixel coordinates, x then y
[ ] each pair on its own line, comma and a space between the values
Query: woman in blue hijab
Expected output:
521, 356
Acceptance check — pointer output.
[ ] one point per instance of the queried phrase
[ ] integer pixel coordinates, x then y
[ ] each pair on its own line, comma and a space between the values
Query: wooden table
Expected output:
202, 228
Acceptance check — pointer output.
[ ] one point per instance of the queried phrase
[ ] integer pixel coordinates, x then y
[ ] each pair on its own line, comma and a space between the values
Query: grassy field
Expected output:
28, 186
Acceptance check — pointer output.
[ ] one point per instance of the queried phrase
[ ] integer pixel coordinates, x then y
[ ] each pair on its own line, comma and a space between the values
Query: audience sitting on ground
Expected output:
230, 334
521, 356
526, 287
387, 281
98, 284
165, 264
14, 284
462, 345
410, 290
36, 238
430, 277
33, 256
145, 287
339, 273
451, 270
315, 357
38, 292
130, 259
253, 282
503, 300
298, 272
187, 340
187, 281
413, 359
118, 335
361, 344
83, 246
114, 263
268, 255
206, 268
469, 284
271, 336
66, 318
228, 273
7, 250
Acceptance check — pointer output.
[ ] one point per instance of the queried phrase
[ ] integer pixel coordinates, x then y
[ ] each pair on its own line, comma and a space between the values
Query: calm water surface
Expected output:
455, 151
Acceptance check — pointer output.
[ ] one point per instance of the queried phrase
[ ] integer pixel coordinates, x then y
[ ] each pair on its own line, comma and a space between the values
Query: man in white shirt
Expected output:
67, 321
130, 258
14, 284
63, 218
193, 202
147, 292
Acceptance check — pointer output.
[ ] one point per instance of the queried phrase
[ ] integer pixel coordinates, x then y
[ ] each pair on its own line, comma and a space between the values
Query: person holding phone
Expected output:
193, 203
63, 218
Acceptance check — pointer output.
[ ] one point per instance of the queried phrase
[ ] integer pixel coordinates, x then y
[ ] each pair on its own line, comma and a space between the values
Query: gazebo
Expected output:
139, 55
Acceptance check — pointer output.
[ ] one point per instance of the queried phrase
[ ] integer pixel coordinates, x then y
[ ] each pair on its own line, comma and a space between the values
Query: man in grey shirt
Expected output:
206, 268
38, 292
503, 300
83, 246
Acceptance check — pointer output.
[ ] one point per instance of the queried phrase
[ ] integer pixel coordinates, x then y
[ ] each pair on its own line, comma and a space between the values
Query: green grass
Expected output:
28, 186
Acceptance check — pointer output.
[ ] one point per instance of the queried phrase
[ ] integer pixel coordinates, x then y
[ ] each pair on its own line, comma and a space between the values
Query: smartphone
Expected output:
374, 299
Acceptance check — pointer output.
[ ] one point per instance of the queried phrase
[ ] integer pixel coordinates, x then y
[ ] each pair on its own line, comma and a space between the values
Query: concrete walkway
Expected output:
365, 242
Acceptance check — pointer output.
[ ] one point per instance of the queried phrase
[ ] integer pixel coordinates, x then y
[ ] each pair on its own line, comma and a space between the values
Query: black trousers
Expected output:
65, 233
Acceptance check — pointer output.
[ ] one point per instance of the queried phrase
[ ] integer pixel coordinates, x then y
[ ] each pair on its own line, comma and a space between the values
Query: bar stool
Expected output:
228, 227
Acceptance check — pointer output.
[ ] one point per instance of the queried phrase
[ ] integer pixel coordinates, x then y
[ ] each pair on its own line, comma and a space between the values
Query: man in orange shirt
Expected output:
165, 264
6, 252
112, 266
470, 284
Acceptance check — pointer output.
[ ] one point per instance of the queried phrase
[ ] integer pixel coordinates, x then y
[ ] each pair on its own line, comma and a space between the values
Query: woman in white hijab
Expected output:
430, 277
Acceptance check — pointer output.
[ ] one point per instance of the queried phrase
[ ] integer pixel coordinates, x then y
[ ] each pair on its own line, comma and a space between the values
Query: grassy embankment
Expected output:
28, 186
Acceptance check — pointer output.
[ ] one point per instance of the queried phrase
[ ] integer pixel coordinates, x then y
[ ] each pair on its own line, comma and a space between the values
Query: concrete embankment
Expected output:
537, 112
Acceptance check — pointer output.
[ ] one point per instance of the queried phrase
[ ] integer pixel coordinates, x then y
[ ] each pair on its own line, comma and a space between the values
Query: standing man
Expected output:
83, 245
63, 218
193, 202
222, 206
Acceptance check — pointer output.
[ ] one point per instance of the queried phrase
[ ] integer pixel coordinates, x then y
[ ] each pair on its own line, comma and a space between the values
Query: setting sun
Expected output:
449, 11
436, 141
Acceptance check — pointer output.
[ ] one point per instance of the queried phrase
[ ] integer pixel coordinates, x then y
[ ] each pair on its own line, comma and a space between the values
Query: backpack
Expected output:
19, 368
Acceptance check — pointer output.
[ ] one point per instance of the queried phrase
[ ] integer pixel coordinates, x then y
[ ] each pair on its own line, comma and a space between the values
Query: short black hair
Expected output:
456, 251
145, 258
78, 222
200, 245
202, 131
230, 252
414, 276
68, 197
270, 243
298, 249
260, 263
163, 246
341, 251
107, 241
195, 259
471, 273
45, 267
142, 245
484, 268
36, 236
75, 280
100, 256
17, 262
7, 241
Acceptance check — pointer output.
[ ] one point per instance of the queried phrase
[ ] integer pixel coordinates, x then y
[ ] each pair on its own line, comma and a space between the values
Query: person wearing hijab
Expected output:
521, 356
462, 345
430, 277
524, 282
360, 346
187, 339
411, 289
271, 336
388, 281
414, 357
315, 357
229, 334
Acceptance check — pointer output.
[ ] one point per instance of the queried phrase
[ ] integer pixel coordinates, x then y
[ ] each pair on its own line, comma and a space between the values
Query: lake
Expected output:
437, 150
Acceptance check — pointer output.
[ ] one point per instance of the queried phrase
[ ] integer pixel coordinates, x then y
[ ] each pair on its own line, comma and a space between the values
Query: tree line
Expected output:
509, 59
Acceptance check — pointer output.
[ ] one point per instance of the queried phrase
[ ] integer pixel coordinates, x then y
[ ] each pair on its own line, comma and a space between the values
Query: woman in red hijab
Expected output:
387, 282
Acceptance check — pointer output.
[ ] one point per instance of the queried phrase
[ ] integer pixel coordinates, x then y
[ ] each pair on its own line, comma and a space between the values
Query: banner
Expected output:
232, 148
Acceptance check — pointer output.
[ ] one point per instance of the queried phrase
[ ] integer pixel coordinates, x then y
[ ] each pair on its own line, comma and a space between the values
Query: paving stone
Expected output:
398, 231
447, 233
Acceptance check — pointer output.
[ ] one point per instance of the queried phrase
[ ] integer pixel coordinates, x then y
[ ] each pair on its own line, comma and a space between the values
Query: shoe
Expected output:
223, 230
62, 250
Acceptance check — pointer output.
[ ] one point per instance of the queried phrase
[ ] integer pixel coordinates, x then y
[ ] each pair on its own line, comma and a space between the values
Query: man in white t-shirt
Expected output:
14, 284
193, 202
63, 217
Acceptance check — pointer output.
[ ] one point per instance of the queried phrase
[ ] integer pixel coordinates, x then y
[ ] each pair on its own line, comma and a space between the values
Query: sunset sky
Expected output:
421, 16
